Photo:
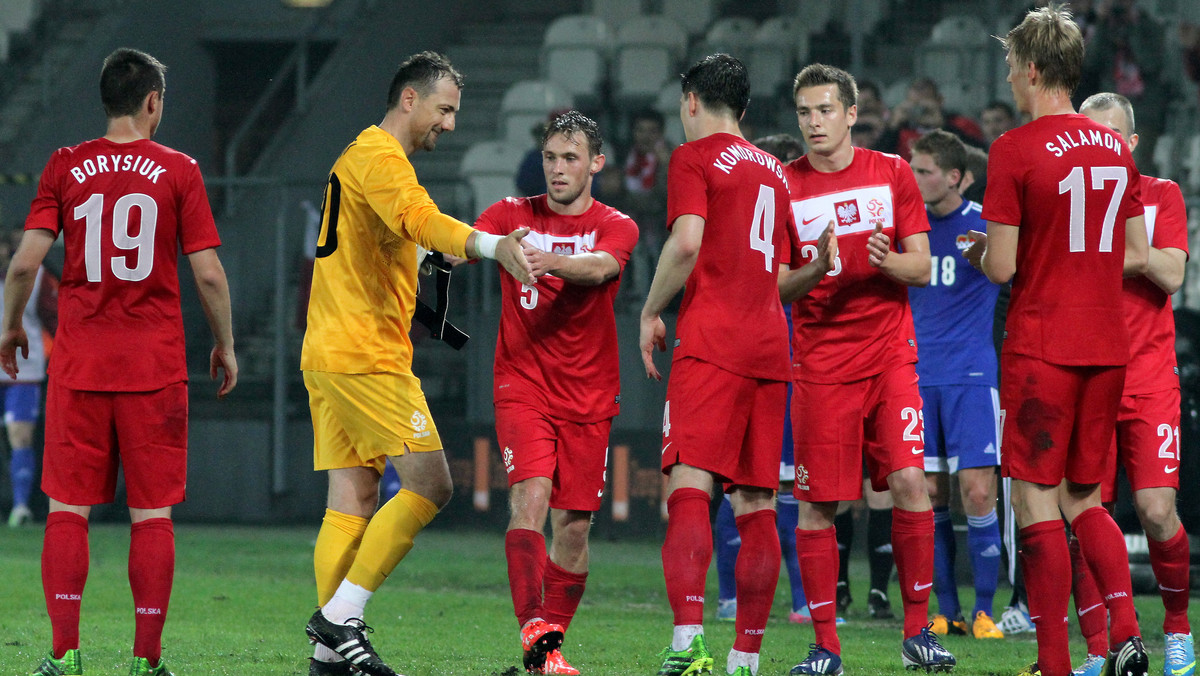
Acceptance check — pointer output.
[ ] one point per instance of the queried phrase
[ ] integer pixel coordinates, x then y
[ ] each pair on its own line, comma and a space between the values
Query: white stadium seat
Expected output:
490, 168
16, 16
693, 15
667, 103
1191, 162
732, 35
959, 30
649, 50
778, 46
616, 12
575, 54
526, 103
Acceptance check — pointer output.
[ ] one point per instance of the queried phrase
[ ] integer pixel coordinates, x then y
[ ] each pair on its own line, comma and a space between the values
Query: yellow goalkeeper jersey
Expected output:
364, 284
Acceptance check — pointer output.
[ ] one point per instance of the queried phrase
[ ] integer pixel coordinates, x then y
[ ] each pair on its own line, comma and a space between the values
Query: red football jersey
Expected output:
125, 210
1069, 184
1147, 307
557, 345
856, 322
731, 315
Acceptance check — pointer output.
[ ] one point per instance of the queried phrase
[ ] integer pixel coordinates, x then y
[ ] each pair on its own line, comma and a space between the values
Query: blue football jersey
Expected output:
953, 315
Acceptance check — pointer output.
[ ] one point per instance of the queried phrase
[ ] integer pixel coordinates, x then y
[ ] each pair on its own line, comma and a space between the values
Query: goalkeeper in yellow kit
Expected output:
367, 407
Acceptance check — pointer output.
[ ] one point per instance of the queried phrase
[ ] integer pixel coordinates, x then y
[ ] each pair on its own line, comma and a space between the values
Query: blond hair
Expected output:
1051, 40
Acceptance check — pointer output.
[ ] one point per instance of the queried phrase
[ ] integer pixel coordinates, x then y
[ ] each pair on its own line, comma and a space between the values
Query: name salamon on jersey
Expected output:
735, 153
1089, 137
131, 163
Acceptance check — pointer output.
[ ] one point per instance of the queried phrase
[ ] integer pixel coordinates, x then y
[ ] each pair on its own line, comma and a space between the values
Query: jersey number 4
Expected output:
762, 228
1074, 185
91, 213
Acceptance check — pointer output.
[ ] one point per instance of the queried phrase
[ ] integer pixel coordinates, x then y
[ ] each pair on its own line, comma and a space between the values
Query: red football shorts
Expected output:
1057, 421
724, 423
573, 455
1146, 444
88, 434
834, 425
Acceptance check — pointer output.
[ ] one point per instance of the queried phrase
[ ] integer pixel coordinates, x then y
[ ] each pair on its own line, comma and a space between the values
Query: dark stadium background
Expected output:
265, 95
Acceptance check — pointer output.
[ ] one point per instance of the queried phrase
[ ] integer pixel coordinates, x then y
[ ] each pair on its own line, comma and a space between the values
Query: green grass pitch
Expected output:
242, 596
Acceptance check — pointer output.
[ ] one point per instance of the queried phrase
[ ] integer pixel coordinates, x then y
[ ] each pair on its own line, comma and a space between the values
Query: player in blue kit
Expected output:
957, 369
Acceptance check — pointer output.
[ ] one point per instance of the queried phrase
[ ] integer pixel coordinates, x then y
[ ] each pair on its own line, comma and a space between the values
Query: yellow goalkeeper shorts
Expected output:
361, 418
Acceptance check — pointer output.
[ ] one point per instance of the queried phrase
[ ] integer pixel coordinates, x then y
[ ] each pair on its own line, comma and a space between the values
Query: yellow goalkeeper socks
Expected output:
389, 537
337, 545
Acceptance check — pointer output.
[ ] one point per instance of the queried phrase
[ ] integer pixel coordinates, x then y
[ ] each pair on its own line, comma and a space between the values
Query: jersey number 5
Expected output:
91, 213
1074, 184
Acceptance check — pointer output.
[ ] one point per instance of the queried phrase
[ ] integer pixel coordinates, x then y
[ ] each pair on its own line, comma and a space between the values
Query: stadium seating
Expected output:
1191, 162
649, 50
490, 169
732, 35
667, 103
778, 46
957, 58
616, 12
1164, 156
526, 103
693, 16
16, 16
575, 54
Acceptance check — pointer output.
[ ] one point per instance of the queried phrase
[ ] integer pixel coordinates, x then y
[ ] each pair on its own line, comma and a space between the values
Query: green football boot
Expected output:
695, 659
141, 667
69, 665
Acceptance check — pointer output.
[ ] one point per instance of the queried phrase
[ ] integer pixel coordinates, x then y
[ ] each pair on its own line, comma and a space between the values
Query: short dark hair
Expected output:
784, 147
1002, 105
947, 150
127, 77
650, 114
574, 122
719, 81
870, 86
817, 74
421, 71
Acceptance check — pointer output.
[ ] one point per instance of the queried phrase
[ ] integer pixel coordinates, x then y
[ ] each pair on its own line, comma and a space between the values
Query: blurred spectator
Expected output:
1189, 38
1125, 55
997, 118
645, 194
867, 131
784, 147
921, 112
530, 179
974, 180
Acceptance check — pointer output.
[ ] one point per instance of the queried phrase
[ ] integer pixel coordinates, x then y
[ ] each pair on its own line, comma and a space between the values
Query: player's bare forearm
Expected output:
583, 269
1165, 267
998, 260
678, 257
213, 288
1137, 247
909, 267
796, 283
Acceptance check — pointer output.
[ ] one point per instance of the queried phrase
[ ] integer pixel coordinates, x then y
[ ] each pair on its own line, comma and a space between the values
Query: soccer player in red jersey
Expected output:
117, 394
723, 420
861, 226
556, 380
1064, 222
1147, 440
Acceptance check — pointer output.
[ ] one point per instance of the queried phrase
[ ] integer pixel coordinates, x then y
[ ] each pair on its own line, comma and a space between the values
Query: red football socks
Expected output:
526, 554
64, 574
757, 574
151, 573
1169, 560
1103, 547
1047, 564
563, 589
686, 553
1089, 605
912, 546
818, 554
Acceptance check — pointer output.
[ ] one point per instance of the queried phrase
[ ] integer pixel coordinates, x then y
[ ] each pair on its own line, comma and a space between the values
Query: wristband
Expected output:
485, 244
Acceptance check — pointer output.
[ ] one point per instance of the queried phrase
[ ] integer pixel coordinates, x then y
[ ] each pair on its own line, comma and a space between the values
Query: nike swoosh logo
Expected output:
1169, 470
917, 451
921, 587
1168, 589
810, 220
1089, 609
814, 606
664, 450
